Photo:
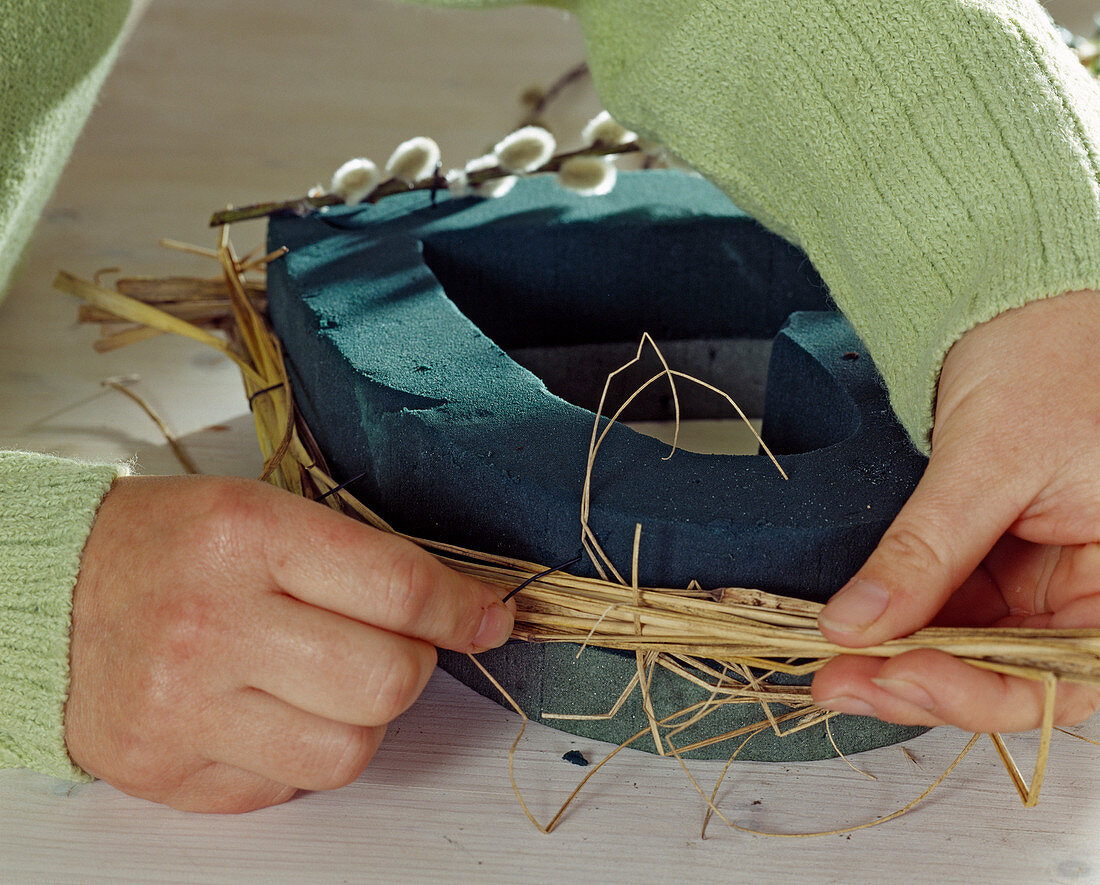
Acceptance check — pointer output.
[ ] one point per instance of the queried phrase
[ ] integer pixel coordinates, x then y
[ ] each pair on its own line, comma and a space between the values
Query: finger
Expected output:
334, 667
260, 734
1034, 584
953, 518
1081, 614
384, 580
1053, 578
844, 685
932, 688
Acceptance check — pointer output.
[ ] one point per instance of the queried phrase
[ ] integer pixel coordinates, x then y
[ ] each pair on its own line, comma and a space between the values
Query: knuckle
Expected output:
465, 636
185, 627
913, 549
347, 758
398, 680
409, 588
190, 655
230, 508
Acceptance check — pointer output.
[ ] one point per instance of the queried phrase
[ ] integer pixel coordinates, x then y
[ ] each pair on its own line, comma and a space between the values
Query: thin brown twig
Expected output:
306, 204
552, 93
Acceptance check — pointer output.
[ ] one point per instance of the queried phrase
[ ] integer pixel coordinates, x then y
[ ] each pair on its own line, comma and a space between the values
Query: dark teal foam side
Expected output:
395, 320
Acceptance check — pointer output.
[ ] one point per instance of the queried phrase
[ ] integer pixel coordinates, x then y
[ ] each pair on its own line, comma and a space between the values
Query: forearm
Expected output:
937, 160
53, 59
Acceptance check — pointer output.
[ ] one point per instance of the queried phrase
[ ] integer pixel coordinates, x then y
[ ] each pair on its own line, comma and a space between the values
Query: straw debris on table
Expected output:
720, 640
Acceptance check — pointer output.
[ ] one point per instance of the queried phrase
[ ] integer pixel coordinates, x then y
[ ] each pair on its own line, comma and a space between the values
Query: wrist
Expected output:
1023, 357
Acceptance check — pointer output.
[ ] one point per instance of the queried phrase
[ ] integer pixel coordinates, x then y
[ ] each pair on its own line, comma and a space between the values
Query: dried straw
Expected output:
718, 640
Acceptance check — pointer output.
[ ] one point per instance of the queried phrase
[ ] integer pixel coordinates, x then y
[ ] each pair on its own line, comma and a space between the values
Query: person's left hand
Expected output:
232, 643
1003, 529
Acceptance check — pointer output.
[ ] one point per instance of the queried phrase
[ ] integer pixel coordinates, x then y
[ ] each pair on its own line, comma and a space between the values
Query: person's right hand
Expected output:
232, 643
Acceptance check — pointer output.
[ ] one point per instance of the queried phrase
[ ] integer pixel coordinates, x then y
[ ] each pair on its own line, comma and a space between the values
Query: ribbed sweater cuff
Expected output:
47, 506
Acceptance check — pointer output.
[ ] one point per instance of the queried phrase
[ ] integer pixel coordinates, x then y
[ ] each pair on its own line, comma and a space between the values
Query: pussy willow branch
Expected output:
392, 186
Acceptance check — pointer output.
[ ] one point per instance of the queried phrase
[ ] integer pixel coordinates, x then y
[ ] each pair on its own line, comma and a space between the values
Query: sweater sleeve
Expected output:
937, 159
47, 506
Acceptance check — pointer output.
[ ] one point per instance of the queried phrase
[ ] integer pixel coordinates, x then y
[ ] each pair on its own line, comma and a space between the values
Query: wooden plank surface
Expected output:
219, 102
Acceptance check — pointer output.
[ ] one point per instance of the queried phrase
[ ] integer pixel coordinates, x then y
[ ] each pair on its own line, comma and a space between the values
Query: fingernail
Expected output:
909, 692
848, 704
496, 627
854, 608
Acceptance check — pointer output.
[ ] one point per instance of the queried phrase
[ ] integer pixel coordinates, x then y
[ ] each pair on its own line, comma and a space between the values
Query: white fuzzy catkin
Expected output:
525, 149
605, 129
588, 176
413, 159
488, 161
496, 187
354, 181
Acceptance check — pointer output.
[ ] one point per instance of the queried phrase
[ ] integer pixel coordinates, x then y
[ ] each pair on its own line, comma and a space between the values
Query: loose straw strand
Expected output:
181, 455
909, 806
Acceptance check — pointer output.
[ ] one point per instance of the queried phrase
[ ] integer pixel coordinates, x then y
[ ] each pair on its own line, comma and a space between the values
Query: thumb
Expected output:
952, 520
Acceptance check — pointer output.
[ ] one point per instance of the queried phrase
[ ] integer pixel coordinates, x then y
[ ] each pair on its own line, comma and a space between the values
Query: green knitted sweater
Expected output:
937, 160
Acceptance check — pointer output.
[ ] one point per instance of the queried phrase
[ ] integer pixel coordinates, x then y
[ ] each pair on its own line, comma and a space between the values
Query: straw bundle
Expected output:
720, 640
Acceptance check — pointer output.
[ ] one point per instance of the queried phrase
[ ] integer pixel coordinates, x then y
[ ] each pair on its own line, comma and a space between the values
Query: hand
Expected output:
232, 643
1003, 529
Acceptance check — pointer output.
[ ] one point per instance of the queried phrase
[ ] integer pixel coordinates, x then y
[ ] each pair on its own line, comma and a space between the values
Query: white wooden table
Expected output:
216, 102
